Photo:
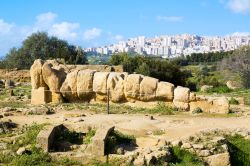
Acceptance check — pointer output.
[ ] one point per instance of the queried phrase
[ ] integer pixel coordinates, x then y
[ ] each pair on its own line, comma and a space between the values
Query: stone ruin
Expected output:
55, 82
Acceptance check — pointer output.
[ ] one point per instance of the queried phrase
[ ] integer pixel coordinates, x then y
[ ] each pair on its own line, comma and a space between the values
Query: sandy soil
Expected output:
174, 127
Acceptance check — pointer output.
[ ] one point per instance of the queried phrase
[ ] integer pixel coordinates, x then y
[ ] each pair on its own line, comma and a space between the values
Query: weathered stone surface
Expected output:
148, 88
85, 84
21, 151
53, 77
36, 74
132, 86
222, 159
181, 94
219, 105
232, 85
181, 105
45, 138
115, 85
181, 98
192, 96
69, 87
98, 141
39, 96
165, 91
9, 84
205, 88
186, 145
100, 85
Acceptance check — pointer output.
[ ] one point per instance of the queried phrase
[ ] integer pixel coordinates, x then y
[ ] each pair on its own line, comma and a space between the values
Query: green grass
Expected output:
239, 150
233, 101
158, 132
184, 158
29, 136
161, 108
219, 89
89, 135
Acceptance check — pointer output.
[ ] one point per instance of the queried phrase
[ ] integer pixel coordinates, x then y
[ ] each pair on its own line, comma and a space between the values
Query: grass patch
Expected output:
36, 157
161, 108
29, 136
239, 150
183, 158
89, 135
158, 132
13, 104
219, 89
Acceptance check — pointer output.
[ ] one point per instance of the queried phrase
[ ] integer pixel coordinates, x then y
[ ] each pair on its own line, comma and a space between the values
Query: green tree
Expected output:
40, 46
239, 63
143, 69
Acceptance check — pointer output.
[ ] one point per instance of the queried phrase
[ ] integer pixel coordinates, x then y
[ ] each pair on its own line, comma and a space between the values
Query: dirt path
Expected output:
174, 127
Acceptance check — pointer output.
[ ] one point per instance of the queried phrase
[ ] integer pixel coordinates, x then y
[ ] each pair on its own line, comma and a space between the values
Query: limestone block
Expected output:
148, 88
85, 84
39, 96
181, 94
132, 86
36, 74
115, 85
165, 91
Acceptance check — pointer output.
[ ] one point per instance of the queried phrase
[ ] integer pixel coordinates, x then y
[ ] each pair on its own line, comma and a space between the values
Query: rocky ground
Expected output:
157, 133
152, 131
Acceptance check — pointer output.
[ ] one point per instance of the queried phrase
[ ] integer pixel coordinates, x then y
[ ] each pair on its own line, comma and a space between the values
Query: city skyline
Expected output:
97, 23
167, 46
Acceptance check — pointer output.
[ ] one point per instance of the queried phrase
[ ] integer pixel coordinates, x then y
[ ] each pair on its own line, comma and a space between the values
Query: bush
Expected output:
182, 157
220, 89
239, 150
161, 69
162, 109
197, 110
89, 135
233, 101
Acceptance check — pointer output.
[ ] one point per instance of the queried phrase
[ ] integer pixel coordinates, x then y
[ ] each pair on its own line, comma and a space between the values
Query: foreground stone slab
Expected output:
97, 147
39, 96
45, 138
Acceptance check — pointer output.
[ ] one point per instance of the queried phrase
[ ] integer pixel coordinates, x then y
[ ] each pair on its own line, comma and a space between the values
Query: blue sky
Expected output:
90, 23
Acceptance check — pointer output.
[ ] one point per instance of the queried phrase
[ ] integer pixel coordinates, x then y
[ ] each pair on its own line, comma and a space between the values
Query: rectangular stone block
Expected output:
39, 96
99, 140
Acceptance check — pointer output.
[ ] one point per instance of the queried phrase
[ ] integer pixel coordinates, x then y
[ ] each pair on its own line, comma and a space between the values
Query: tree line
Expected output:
162, 69
202, 58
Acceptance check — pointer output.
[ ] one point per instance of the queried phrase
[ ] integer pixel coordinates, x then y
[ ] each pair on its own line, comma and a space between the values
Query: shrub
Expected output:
233, 101
220, 89
89, 135
239, 150
158, 132
197, 110
182, 157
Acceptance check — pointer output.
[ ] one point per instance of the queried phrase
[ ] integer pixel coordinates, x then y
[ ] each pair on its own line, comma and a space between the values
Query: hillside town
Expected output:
173, 46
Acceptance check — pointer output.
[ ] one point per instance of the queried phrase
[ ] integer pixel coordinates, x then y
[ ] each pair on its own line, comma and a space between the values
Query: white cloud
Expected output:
5, 27
91, 34
64, 30
239, 6
46, 18
240, 34
118, 37
170, 18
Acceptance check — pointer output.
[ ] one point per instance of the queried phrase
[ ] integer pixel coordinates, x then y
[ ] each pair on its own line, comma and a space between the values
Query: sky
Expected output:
91, 23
